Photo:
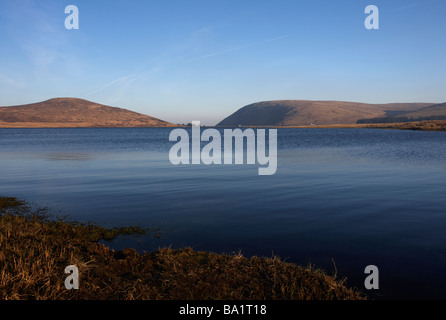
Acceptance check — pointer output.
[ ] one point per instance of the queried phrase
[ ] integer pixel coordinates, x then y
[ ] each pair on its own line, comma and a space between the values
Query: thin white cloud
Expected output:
125, 81
154, 66
412, 5
239, 48
36, 32
119, 81
10, 81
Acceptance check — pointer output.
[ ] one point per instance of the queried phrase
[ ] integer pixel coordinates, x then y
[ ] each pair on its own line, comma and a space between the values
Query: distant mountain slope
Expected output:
72, 112
433, 112
305, 112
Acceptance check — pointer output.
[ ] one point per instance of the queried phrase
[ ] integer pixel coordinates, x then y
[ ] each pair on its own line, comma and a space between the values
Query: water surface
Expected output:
344, 197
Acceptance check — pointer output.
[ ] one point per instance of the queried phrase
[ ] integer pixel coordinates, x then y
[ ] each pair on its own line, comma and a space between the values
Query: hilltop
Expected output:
305, 112
71, 113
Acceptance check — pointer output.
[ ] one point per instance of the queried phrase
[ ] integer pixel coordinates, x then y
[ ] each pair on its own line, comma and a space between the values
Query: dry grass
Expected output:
34, 251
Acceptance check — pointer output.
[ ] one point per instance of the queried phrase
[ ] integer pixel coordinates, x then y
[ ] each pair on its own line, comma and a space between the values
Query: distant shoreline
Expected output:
56, 125
428, 125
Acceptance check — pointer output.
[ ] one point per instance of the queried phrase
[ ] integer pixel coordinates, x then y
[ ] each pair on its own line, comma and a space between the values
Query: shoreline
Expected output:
31, 125
427, 125
35, 250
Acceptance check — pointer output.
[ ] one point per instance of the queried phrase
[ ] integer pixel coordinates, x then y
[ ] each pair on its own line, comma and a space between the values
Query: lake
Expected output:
341, 199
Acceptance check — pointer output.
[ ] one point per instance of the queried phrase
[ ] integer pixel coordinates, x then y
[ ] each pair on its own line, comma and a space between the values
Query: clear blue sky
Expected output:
202, 60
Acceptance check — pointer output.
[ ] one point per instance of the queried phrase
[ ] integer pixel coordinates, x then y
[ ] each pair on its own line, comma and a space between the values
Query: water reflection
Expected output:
69, 156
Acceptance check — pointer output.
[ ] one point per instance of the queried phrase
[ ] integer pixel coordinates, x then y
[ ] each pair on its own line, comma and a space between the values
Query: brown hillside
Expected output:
304, 112
438, 110
72, 112
434, 112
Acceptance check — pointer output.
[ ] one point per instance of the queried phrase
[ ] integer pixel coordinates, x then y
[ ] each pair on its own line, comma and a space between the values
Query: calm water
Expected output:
353, 196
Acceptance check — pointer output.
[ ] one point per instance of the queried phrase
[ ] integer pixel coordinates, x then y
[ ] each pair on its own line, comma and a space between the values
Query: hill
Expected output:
72, 112
435, 112
305, 112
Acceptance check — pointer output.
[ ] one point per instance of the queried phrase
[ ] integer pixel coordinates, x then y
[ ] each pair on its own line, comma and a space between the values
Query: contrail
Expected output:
239, 48
416, 4
131, 76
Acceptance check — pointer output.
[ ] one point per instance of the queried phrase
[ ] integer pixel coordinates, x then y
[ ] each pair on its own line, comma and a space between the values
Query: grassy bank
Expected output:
35, 249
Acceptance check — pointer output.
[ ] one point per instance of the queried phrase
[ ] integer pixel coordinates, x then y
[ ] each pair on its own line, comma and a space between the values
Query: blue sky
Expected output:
204, 59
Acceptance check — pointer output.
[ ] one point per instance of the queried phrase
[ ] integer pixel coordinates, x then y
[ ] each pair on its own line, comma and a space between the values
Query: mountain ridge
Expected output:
312, 112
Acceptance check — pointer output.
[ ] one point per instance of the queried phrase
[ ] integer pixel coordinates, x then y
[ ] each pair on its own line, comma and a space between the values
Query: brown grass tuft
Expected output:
34, 251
